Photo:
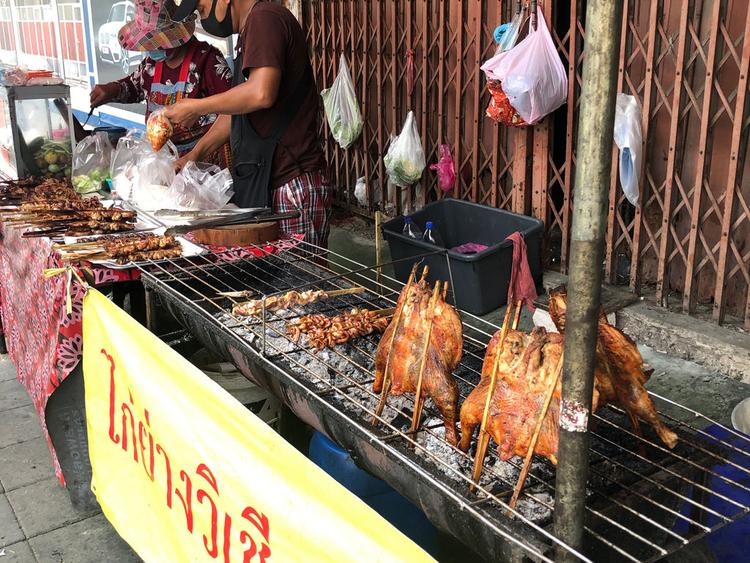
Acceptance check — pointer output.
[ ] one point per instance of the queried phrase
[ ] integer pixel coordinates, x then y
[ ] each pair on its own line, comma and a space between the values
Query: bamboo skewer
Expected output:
419, 402
378, 249
537, 431
396, 325
517, 315
484, 438
330, 294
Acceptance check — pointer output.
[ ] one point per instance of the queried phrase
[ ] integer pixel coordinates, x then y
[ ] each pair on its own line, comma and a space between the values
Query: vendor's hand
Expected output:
185, 112
180, 163
104, 93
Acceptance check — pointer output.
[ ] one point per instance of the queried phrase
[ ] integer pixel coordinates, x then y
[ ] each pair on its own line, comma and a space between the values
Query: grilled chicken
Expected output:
525, 372
620, 371
403, 342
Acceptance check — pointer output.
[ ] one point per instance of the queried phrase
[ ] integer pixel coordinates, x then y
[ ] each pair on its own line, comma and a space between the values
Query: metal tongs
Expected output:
259, 215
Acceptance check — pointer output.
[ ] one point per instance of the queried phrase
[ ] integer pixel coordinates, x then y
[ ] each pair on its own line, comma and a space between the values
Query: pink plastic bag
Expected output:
531, 73
445, 169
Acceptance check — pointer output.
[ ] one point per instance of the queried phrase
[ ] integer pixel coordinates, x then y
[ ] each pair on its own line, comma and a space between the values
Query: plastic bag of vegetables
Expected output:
91, 159
342, 108
405, 161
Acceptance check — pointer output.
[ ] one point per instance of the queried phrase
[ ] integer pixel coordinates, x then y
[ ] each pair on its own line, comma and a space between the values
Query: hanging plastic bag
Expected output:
506, 35
445, 169
629, 139
154, 175
91, 161
342, 108
532, 74
201, 186
405, 160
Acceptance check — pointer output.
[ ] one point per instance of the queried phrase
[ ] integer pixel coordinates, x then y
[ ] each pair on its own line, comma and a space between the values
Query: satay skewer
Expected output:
333, 293
537, 430
418, 401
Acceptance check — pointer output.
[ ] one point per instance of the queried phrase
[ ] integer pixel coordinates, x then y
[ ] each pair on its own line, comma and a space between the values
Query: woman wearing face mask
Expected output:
176, 66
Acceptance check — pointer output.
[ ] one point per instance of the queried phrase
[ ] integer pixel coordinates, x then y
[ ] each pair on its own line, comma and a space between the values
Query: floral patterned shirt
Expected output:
208, 74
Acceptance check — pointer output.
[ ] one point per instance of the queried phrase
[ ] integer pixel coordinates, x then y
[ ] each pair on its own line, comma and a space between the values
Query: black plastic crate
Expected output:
481, 279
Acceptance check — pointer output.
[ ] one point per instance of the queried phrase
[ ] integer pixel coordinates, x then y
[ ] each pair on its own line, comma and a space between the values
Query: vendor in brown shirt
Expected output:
270, 116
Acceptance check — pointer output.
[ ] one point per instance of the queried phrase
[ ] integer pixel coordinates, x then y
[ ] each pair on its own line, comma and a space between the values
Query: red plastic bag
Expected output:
445, 169
499, 107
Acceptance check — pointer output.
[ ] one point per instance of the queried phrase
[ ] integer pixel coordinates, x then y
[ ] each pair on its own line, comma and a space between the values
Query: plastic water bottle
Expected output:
431, 235
410, 229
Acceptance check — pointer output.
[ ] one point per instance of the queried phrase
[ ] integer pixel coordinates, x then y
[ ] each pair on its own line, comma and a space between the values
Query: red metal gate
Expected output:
687, 62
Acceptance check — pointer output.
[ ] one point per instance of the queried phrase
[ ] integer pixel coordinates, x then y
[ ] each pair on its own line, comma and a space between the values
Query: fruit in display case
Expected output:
52, 157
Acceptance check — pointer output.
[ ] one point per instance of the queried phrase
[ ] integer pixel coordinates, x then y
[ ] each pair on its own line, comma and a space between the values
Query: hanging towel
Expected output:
522, 286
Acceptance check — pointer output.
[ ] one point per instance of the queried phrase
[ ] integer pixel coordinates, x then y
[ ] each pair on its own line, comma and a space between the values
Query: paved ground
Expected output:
37, 520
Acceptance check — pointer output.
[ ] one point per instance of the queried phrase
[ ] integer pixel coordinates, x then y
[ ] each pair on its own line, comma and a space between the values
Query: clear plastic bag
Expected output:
445, 168
509, 35
130, 150
629, 139
154, 174
532, 74
201, 186
342, 108
91, 162
405, 160
158, 130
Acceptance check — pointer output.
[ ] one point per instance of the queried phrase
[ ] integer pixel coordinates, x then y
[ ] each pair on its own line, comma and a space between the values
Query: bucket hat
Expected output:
153, 27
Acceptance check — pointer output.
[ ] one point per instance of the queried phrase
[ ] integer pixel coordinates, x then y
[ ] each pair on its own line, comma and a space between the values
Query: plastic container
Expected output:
481, 279
376, 493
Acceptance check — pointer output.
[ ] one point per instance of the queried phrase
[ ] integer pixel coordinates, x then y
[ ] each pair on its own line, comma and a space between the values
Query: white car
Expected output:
108, 43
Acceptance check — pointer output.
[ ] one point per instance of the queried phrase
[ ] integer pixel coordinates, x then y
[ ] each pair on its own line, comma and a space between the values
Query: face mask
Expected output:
156, 56
217, 28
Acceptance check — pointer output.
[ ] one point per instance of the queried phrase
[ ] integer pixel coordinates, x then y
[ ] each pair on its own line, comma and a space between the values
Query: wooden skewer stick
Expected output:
537, 431
385, 312
418, 401
378, 250
396, 325
483, 439
517, 315
329, 294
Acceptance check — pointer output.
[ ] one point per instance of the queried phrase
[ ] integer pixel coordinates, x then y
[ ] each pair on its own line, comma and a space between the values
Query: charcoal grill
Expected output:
644, 501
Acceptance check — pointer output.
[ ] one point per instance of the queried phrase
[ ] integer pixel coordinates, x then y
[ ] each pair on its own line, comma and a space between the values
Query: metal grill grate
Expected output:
644, 502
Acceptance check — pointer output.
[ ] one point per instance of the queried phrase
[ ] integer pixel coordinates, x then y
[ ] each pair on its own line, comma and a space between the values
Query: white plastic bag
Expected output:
91, 162
405, 160
629, 139
153, 176
201, 186
342, 108
531, 73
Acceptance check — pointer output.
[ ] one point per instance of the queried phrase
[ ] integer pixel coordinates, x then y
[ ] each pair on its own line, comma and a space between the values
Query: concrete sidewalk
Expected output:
37, 520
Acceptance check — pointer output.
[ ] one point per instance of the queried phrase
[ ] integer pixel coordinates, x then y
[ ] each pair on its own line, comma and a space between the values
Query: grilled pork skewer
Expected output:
287, 301
323, 331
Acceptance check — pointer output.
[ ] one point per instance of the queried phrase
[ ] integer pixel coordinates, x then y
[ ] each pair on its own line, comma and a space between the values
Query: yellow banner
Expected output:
186, 473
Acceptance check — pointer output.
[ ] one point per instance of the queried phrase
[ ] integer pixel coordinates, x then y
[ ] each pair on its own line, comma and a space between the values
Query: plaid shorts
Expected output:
311, 195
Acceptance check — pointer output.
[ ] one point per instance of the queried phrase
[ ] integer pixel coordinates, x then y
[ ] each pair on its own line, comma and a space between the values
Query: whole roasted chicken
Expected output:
401, 351
526, 369
620, 371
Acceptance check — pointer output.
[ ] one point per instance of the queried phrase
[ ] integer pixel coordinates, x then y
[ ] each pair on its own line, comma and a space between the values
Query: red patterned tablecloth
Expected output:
44, 342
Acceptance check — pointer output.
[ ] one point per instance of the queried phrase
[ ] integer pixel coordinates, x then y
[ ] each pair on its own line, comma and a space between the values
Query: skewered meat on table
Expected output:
323, 331
161, 254
288, 300
620, 371
402, 348
118, 248
69, 205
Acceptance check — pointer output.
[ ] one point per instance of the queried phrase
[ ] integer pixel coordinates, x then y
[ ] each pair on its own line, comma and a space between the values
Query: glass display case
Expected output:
36, 133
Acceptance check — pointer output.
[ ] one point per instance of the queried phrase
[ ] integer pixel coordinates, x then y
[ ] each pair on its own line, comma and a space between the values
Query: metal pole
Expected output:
595, 129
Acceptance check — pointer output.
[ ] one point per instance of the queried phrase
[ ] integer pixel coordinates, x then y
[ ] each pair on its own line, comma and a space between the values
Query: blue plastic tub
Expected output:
376, 493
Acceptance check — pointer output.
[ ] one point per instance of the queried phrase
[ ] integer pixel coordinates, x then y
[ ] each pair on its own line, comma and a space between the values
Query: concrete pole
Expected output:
595, 129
